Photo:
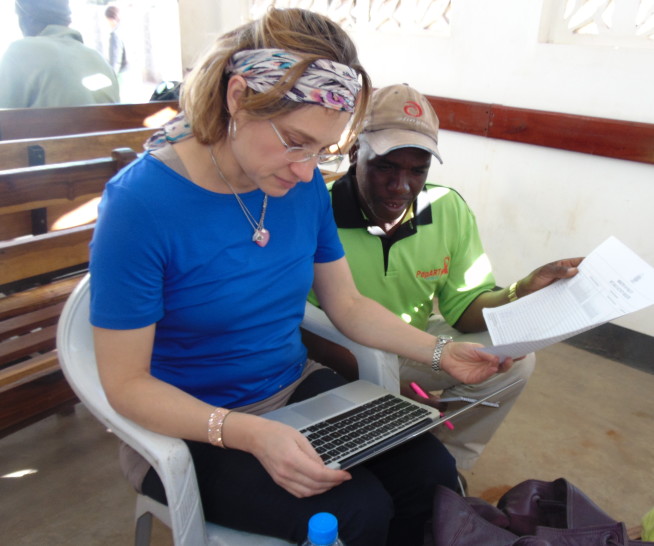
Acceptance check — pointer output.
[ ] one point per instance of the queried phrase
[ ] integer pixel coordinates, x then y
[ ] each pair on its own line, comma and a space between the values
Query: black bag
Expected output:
533, 513
167, 90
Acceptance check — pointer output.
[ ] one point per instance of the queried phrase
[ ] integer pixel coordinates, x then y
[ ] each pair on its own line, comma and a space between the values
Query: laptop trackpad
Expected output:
329, 404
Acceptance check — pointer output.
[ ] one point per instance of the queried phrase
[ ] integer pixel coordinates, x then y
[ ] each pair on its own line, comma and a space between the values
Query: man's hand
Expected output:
472, 319
547, 274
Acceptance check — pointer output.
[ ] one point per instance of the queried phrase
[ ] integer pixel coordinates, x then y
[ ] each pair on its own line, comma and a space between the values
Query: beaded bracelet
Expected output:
215, 426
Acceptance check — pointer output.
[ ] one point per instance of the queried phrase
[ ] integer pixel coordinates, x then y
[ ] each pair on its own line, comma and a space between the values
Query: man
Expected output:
117, 55
51, 66
412, 244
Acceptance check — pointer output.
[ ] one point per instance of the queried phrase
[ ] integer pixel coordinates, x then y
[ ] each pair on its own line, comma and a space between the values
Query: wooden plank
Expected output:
15, 224
62, 149
37, 298
47, 185
461, 115
22, 123
22, 259
83, 210
22, 324
18, 374
596, 136
618, 139
19, 347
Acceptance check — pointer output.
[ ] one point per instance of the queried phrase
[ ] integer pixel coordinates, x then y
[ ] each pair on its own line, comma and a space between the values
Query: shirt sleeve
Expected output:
127, 263
470, 273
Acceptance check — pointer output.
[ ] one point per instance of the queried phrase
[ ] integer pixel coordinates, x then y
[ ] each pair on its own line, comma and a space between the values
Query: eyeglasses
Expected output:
299, 154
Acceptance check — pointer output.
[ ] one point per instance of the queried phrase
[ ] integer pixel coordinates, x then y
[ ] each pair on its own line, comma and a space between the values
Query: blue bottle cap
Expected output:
323, 528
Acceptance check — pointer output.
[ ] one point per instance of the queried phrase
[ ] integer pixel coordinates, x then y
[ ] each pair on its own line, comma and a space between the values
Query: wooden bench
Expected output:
16, 154
37, 273
81, 133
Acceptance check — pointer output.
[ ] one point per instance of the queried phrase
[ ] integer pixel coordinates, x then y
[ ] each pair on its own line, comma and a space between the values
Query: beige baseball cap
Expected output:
400, 117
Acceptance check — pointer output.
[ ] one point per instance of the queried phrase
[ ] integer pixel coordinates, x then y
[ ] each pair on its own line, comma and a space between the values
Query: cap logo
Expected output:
412, 109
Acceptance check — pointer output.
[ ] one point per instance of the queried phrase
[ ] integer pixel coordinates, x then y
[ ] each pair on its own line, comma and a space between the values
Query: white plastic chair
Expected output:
169, 456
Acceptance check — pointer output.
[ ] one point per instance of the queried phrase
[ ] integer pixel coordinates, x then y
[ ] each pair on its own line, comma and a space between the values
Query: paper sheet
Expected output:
612, 281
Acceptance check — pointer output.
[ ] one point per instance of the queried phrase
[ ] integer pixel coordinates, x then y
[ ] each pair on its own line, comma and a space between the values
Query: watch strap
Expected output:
438, 352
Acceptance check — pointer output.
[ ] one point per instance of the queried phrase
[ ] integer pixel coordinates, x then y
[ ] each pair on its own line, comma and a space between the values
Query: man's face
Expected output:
389, 184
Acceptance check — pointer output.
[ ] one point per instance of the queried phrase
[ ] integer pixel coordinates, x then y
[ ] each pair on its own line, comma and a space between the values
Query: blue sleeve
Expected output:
127, 263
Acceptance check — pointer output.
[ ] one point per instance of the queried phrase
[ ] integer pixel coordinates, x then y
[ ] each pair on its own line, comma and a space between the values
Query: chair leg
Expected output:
143, 529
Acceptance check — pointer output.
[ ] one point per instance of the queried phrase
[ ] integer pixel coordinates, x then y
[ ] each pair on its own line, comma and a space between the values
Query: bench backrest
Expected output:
15, 154
49, 188
24, 123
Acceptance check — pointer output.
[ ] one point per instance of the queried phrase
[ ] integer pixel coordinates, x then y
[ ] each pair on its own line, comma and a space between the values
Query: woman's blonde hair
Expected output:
306, 33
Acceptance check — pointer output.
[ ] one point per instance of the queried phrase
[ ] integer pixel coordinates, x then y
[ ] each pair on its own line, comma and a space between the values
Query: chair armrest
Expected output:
375, 366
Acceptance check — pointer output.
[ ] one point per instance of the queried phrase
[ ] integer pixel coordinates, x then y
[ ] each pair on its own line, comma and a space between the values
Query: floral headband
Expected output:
324, 82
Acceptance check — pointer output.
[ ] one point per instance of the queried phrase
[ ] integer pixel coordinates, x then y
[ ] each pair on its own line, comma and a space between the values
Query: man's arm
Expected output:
14, 80
472, 319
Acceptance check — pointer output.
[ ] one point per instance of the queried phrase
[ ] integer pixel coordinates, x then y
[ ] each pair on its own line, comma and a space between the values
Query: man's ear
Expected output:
353, 153
236, 87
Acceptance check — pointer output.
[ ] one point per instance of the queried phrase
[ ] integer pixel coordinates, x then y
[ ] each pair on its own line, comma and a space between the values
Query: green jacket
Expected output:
55, 68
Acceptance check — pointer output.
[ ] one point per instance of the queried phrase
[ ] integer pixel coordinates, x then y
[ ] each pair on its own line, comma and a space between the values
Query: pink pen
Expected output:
418, 390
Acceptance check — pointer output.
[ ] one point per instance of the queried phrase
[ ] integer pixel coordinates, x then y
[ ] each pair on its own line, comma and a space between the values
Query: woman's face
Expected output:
259, 151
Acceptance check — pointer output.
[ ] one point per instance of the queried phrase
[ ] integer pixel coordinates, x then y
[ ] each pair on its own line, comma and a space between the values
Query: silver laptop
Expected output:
352, 423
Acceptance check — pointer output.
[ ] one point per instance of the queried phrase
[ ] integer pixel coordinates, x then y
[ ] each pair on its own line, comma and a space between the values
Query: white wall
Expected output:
201, 21
533, 204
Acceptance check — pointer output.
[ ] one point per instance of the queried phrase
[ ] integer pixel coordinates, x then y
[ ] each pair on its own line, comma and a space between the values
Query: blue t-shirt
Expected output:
227, 311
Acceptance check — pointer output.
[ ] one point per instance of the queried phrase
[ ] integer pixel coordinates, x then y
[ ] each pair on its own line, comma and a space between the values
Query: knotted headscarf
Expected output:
325, 83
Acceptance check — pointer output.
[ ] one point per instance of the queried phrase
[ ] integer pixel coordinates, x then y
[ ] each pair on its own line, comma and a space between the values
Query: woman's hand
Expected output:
289, 458
466, 363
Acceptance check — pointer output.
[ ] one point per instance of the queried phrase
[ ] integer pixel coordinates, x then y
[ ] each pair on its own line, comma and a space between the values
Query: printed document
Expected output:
612, 281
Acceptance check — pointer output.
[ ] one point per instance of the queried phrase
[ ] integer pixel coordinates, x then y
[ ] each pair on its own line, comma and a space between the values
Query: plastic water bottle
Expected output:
323, 531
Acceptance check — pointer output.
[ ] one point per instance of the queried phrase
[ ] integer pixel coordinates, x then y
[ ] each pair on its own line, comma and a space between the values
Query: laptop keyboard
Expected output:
350, 432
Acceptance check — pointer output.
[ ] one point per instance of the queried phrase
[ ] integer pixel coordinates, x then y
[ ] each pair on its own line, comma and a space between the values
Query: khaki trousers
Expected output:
474, 429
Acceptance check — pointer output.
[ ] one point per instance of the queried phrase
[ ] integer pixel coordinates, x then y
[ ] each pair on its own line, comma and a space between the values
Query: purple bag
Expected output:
533, 513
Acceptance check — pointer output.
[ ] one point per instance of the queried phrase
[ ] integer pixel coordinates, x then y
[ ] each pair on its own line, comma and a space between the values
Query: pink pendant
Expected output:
261, 237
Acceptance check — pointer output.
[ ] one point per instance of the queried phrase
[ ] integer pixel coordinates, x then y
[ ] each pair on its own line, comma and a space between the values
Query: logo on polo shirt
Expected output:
435, 272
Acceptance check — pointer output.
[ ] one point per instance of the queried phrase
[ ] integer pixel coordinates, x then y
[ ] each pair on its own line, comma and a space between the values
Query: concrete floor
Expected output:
581, 417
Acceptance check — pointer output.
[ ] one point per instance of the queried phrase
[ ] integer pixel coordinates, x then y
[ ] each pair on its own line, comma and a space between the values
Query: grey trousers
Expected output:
474, 429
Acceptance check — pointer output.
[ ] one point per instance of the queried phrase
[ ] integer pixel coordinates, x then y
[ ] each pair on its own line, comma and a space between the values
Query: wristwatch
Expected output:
438, 352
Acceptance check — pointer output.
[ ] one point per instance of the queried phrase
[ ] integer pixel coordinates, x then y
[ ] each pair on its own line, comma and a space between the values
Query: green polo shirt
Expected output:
435, 254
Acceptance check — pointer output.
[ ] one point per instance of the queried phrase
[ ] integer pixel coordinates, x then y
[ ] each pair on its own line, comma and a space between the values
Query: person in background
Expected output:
411, 244
117, 56
201, 262
51, 66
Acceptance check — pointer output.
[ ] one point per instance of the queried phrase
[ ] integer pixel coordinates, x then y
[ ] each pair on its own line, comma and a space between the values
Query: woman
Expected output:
202, 259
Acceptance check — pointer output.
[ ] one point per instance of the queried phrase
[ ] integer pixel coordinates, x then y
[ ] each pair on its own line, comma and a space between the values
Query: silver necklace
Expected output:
261, 235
